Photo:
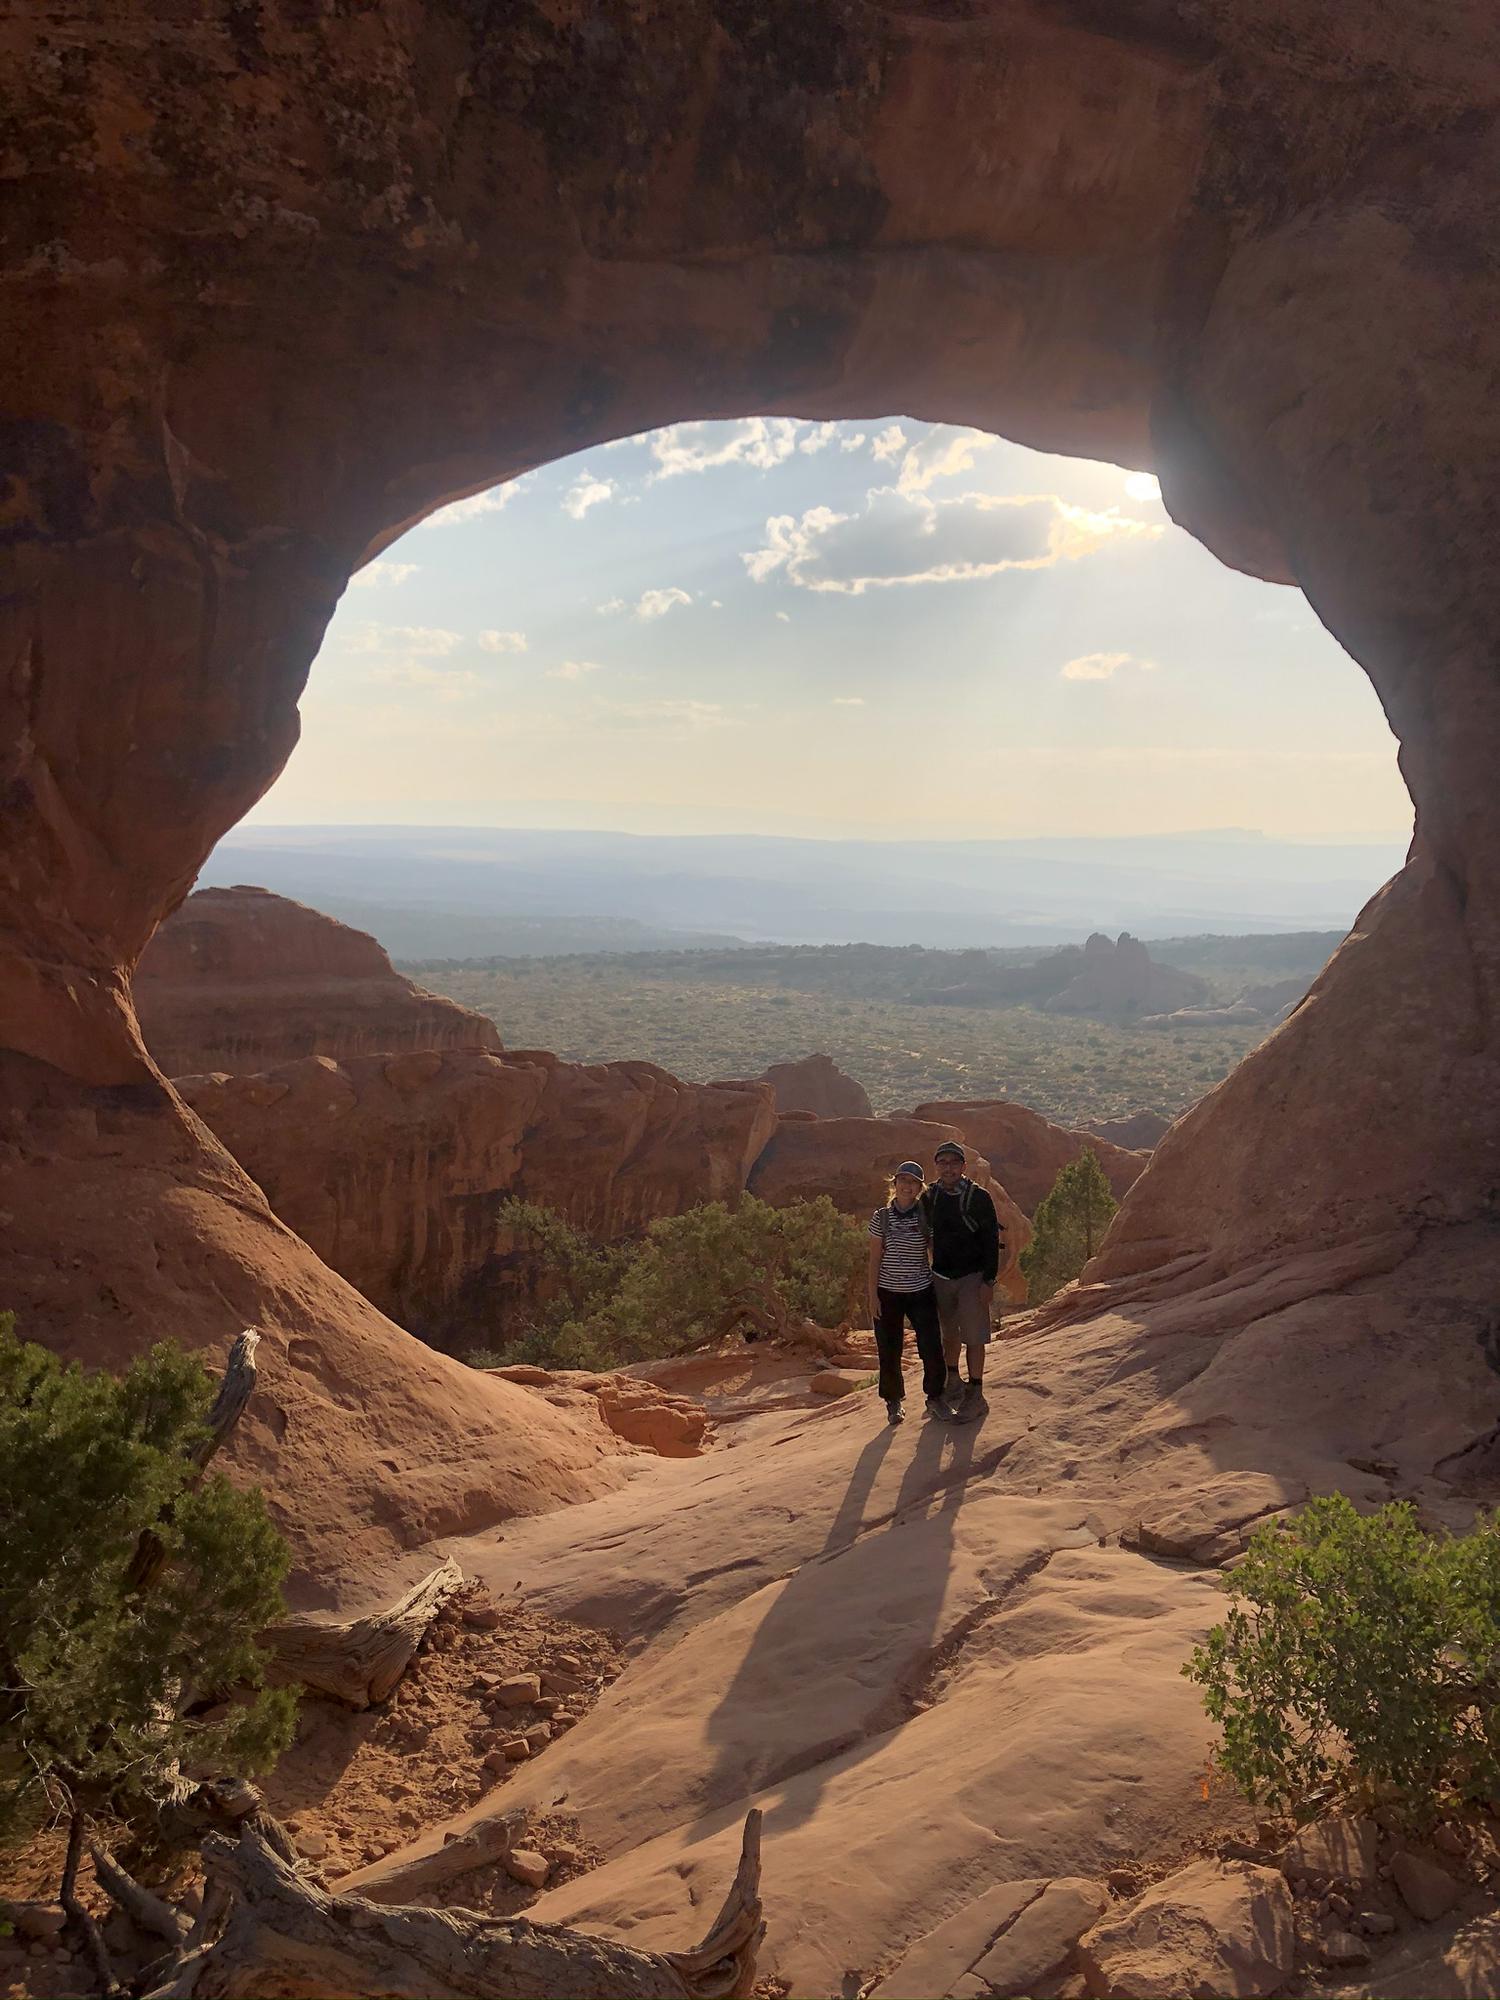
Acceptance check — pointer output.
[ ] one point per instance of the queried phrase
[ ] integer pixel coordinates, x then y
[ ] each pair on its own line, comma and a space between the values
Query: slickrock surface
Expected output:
1025, 1150
241, 980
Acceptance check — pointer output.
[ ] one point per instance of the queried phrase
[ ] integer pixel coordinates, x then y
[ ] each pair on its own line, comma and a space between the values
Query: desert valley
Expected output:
451, 1541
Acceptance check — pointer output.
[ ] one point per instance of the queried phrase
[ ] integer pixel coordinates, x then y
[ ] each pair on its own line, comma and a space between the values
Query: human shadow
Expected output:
825, 1671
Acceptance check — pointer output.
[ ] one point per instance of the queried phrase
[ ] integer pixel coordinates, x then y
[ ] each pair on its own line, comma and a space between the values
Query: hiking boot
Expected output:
972, 1405
895, 1413
936, 1407
953, 1395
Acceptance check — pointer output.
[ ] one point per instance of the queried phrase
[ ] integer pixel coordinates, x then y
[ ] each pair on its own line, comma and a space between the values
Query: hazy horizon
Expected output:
878, 630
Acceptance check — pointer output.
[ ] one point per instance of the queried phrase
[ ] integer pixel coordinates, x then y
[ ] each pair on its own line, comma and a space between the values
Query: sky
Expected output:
890, 629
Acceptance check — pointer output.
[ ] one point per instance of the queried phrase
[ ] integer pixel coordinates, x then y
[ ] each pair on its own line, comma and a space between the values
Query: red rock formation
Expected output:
817, 1084
1136, 1134
239, 980
1026, 1150
285, 279
851, 1160
393, 1168
613, 1145
1120, 977
390, 1167
368, 1443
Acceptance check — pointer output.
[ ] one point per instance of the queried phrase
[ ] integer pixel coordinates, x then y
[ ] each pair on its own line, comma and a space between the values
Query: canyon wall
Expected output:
239, 979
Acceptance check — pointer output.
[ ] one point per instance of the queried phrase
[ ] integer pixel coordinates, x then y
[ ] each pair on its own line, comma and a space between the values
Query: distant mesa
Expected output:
239, 979
818, 1085
1118, 978
1027, 1151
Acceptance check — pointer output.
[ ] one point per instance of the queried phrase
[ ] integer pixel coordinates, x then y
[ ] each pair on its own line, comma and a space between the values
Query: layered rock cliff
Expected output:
239, 979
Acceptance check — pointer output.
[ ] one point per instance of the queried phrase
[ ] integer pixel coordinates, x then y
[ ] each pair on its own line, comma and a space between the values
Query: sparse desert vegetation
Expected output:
685, 1011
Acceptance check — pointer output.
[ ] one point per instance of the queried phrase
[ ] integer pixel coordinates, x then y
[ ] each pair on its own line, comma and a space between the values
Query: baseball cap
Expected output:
952, 1149
911, 1167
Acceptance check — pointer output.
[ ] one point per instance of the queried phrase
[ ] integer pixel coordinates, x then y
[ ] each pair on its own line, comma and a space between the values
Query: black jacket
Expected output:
959, 1246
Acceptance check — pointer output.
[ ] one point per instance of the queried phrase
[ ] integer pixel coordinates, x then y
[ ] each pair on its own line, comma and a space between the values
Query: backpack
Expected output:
965, 1209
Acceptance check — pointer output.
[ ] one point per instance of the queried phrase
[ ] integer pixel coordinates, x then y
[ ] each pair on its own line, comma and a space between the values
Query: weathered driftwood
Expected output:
80, 1922
407, 1877
284, 1936
145, 1910
360, 1660
235, 1391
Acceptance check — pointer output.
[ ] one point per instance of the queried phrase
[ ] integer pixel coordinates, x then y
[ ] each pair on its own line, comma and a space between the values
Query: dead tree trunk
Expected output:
235, 1391
286, 1937
360, 1660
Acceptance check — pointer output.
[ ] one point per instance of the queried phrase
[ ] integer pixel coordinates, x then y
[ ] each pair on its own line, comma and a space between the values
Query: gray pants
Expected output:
962, 1311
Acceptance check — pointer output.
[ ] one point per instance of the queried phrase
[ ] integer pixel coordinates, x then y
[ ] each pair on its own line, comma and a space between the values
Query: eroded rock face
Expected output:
239, 980
1026, 1150
390, 1167
394, 1168
286, 279
817, 1084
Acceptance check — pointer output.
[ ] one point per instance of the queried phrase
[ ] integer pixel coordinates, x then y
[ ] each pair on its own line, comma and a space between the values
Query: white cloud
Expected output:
939, 455
912, 538
610, 605
848, 701
852, 442
1102, 666
889, 442
573, 670
586, 492
785, 617
757, 441
502, 642
431, 640
492, 502
657, 603
817, 437
717, 603
380, 573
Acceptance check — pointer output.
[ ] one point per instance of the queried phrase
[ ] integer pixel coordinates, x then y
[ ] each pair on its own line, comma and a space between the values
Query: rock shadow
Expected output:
825, 1670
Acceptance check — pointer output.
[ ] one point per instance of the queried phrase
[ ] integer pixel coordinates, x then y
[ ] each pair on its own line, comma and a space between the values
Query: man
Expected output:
901, 1290
965, 1264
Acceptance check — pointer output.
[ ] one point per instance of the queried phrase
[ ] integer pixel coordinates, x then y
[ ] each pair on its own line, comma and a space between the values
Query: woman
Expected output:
901, 1290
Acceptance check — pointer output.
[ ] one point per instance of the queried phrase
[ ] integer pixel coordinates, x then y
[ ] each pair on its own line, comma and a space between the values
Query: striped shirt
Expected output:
903, 1261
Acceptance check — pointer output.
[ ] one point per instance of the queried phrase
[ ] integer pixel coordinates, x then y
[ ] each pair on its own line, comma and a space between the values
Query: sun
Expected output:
1142, 486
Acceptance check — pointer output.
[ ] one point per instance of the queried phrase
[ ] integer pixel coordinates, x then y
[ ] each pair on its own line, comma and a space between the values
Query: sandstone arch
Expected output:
283, 278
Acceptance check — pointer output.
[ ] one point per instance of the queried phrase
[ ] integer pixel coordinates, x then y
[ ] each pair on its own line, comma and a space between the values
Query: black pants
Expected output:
890, 1336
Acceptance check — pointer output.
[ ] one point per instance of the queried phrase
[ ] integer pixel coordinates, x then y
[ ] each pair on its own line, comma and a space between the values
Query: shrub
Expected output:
1068, 1227
94, 1675
1361, 1651
691, 1277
